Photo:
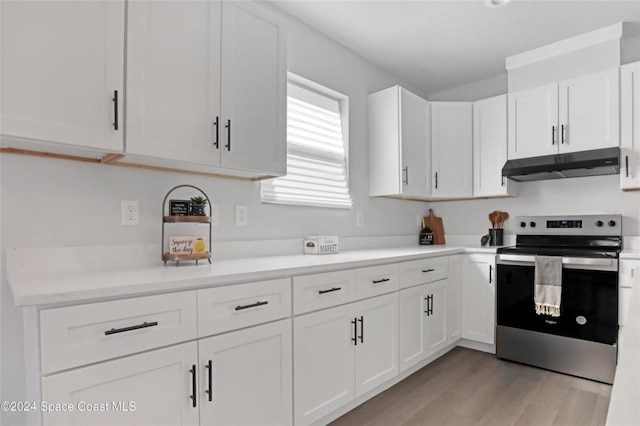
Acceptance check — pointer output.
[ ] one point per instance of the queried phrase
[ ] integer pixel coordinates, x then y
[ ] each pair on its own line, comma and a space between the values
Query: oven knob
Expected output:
523, 224
599, 223
532, 224
612, 223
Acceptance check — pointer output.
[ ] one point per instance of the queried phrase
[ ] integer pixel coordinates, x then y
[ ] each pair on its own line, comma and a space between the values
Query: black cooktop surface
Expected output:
561, 251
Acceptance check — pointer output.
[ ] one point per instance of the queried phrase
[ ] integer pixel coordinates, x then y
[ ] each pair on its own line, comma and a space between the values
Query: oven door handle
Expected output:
568, 262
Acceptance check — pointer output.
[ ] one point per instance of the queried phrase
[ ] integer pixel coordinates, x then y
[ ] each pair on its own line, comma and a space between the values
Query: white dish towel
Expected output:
548, 285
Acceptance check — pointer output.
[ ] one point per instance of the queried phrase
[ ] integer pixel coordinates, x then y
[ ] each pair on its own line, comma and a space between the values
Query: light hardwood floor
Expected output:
467, 387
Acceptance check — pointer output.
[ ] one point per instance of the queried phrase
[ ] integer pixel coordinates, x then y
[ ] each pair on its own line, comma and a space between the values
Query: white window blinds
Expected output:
316, 153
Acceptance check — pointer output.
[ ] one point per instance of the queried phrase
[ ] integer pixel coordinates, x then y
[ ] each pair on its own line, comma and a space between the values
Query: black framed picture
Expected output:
178, 207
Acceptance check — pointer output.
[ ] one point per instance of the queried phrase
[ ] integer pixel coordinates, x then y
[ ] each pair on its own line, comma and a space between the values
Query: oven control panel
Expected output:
607, 224
564, 224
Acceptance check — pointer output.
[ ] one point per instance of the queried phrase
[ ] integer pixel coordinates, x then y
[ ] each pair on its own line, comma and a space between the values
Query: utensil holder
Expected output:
496, 237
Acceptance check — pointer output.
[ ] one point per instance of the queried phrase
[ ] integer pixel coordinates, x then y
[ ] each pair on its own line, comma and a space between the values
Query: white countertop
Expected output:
630, 254
37, 288
624, 406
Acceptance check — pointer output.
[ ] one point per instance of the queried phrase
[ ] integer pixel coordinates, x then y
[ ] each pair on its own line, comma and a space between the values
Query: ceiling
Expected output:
437, 44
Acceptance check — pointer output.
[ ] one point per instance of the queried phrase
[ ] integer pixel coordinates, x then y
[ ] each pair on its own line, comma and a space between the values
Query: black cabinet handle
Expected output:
490, 273
382, 280
329, 290
131, 328
562, 139
428, 270
209, 391
228, 126
253, 305
217, 124
431, 304
355, 332
553, 135
436, 176
426, 305
502, 180
405, 169
626, 164
361, 320
194, 396
115, 110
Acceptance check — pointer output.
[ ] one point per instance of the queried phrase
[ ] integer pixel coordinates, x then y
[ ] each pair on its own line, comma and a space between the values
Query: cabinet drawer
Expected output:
423, 271
83, 334
231, 307
376, 280
318, 291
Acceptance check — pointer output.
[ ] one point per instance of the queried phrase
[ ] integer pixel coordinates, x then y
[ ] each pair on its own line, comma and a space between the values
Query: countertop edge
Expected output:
40, 294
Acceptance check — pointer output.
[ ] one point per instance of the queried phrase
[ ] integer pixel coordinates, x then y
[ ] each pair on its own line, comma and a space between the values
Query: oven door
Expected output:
589, 303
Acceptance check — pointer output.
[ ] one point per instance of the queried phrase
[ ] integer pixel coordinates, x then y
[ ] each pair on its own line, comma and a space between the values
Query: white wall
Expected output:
48, 203
481, 89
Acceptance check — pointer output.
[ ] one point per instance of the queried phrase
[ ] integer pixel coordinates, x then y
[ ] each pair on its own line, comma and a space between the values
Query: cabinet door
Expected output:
173, 80
254, 78
153, 388
385, 157
246, 376
451, 149
630, 126
589, 112
62, 65
478, 313
435, 317
413, 307
533, 122
489, 146
377, 349
414, 142
454, 299
324, 362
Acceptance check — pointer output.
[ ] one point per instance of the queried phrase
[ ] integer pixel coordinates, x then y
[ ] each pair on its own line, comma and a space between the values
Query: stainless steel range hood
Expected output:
575, 164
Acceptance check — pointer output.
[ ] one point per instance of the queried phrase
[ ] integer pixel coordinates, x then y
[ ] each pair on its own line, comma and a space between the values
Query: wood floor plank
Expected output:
467, 387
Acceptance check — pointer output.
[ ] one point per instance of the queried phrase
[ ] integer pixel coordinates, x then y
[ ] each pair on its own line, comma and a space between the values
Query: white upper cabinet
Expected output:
580, 114
206, 85
398, 143
451, 149
490, 146
533, 122
62, 73
630, 126
589, 112
254, 89
173, 80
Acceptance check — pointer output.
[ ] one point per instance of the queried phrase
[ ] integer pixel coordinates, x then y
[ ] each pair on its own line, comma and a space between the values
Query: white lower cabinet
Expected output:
245, 377
209, 382
479, 298
422, 322
153, 388
341, 353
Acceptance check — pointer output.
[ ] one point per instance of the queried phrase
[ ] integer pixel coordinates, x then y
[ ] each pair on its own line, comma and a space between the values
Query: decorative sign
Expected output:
186, 245
178, 207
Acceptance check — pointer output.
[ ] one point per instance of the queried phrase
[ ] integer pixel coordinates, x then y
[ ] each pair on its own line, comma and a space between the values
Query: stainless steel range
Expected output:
582, 340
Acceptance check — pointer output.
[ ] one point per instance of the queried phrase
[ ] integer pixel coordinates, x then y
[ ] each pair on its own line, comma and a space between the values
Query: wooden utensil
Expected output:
503, 218
434, 223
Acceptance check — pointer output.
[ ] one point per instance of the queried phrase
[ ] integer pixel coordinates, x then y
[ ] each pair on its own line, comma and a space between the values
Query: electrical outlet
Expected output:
360, 219
215, 215
241, 215
129, 213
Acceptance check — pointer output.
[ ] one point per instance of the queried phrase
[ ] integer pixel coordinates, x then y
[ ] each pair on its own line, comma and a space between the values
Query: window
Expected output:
316, 149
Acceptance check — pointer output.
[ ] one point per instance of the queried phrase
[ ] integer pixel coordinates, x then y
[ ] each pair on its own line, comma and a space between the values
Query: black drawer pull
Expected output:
253, 305
428, 270
626, 164
361, 321
130, 328
329, 290
228, 126
383, 280
217, 124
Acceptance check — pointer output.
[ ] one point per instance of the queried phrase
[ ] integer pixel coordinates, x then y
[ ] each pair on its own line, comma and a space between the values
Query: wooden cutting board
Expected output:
434, 223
